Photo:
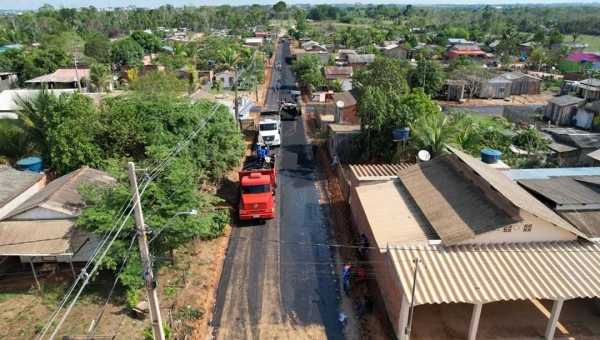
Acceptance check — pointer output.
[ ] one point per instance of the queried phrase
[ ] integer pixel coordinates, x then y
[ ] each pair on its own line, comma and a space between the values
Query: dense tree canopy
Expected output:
385, 73
127, 52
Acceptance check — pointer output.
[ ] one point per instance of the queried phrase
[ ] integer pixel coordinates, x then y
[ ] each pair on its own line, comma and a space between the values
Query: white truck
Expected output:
269, 128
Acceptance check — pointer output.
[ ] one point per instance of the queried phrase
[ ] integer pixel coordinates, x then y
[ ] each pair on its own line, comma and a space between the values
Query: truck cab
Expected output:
269, 128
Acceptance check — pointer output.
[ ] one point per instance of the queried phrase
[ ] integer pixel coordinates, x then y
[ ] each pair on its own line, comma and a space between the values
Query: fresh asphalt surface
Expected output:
276, 283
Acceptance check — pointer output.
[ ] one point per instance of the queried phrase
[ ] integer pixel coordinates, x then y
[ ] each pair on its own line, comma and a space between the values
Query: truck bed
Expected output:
264, 115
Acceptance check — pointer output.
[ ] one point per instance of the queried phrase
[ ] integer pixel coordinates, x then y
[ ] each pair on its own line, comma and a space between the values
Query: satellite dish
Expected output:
424, 155
340, 104
115, 78
412, 60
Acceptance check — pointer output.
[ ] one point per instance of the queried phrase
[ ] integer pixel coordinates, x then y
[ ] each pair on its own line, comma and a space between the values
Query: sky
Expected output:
35, 4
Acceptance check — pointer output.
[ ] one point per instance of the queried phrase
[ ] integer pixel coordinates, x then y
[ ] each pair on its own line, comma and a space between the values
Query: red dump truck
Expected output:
257, 193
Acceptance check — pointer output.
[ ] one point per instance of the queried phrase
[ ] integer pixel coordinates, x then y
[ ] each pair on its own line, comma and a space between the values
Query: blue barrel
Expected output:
33, 164
490, 156
400, 133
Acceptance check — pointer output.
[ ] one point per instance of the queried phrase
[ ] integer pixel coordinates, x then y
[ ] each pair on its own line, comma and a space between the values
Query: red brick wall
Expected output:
349, 115
381, 264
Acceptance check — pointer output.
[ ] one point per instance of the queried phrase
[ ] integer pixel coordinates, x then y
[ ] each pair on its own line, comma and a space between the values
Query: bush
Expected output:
147, 334
554, 89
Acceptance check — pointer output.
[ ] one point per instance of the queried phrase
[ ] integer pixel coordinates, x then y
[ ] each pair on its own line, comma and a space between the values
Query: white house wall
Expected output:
40, 213
531, 229
12, 205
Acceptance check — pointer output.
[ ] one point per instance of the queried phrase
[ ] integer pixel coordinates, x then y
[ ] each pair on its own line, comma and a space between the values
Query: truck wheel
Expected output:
263, 222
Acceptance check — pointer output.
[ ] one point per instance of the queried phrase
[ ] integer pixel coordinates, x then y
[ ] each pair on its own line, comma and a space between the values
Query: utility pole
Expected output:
237, 112
412, 300
588, 84
77, 75
149, 280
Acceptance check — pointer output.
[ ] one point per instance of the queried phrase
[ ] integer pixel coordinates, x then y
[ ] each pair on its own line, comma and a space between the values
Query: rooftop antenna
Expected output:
424, 155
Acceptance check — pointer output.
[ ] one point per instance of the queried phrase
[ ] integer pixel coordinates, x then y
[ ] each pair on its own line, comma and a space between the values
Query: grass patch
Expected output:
592, 40
499, 123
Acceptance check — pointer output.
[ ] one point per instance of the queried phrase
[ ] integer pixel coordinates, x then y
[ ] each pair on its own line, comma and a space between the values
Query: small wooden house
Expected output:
560, 110
522, 83
495, 88
453, 89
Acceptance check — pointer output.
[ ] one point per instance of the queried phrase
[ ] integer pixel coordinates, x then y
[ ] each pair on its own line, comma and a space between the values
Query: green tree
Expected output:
386, 73
14, 142
460, 61
97, 46
159, 83
308, 71
433, 132
474, 77
192, 77
100, 77
531, 140
149, 42
229, 58
555, 37
537, 57
336, 85
127, 52
217, 85
539, 37
427, 75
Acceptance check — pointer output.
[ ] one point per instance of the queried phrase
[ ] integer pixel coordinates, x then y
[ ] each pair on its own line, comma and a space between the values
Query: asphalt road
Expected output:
274, 283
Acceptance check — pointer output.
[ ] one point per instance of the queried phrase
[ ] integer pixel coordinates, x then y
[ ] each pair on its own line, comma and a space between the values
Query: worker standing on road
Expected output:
346, 279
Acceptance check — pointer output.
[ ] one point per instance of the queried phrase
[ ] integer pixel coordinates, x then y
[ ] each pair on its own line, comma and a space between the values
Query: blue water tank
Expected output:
400, 133
490, 156
33, 164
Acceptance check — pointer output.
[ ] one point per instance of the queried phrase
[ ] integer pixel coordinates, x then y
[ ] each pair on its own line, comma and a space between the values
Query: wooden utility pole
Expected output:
235, 101
149, 280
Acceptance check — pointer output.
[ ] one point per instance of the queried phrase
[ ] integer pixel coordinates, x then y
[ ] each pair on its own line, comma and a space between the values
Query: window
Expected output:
255, 189
502, 90
268, 127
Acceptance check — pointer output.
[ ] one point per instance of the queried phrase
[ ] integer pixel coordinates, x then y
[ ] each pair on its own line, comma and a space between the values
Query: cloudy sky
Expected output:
34, 4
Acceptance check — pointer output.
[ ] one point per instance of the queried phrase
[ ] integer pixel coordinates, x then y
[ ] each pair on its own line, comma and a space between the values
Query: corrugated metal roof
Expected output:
565, 100
456, 208
392, 214
563, 190
514, 193
561, 147
586, 141
375, 172
553, 172
500, 272
62, 76
14, 182
334, 72
39, 238
349, 98
61, 194
360, 58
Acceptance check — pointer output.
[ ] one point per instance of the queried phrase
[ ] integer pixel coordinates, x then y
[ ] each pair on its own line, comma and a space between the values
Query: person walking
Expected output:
364, 244
335, 162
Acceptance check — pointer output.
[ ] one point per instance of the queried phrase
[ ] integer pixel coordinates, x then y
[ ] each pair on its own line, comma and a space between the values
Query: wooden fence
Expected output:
523, 116
344, 182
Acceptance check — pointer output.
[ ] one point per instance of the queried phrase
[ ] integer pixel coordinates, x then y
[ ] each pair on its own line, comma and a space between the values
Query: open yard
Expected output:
592, 40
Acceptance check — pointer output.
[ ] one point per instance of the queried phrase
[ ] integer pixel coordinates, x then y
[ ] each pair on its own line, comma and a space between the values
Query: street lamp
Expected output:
191, 212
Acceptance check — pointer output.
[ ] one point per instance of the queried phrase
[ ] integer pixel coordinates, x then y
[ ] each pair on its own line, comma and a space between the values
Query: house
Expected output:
594, 158
254, 42
589, 89
522, 84
395, 52
468, 49
468, 225
64, 78
41, 229
226, 77
359, 60
323, 56
585, 142
526, 48
560, 110
453, 89
574, 47
369, 174
308, 44
453, 41
340, 140
493, 45
7, 80
346, 105
575, 199
17, 186
9, 100
263, 35
495, 88
341, 73
343, 54
577, 62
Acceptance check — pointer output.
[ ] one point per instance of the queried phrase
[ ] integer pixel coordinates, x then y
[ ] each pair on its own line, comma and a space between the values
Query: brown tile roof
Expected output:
453, 205
335, 72
61, 194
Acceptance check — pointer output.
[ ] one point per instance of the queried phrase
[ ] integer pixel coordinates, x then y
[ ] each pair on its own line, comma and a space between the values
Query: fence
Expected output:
523, 116
344, 182
322, 110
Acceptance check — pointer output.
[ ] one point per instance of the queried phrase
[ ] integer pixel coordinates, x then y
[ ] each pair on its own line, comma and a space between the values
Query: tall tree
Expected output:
385, 73
555, 37
427, 75
433, 132
474, 77
100, 77
127, 52
97, 46
148, 41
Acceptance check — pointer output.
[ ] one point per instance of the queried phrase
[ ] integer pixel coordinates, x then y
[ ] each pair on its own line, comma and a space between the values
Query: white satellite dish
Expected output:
115, 78
340, 104
412, 60
424, 155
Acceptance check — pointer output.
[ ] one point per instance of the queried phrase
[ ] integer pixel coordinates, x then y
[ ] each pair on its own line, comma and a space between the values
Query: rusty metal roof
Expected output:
333, 72
36, 238
61, 194
376, 172
499, 272
392, 214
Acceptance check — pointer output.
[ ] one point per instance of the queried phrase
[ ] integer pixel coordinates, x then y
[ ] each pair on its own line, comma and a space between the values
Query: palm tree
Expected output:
229, 57
192, 77
433, 132
100, 77
336, 85
132, 75
31, 116
14, 142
